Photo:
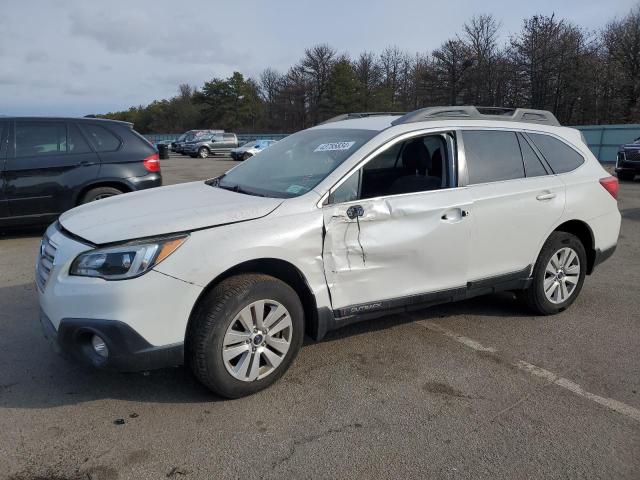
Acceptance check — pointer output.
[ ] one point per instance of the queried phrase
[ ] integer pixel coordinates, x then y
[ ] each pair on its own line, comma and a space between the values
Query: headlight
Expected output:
128, 260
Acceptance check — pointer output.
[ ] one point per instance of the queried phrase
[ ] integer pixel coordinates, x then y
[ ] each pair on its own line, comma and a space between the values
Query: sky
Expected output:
74, 57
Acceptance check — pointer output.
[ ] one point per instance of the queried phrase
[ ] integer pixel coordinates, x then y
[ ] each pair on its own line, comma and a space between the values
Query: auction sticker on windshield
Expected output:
332, 147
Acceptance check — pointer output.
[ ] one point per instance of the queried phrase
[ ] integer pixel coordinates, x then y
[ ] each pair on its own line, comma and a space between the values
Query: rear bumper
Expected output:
127, 350
602, 255
146, 181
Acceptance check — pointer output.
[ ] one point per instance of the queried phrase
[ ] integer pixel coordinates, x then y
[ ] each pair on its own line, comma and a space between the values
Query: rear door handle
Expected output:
455, 215
545, 196
85, 163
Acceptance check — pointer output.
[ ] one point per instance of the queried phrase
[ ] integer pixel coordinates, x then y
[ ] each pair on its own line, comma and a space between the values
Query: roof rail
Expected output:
350, 116
470, 112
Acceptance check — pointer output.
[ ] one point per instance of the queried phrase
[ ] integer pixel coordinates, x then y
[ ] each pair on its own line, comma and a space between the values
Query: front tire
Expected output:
558, 274
246, 156
245, 334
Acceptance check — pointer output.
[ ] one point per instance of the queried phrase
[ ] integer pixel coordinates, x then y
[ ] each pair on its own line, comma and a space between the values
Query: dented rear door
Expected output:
399, 246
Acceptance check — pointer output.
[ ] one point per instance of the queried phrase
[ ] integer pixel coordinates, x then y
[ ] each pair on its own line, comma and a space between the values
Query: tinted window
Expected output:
229, 136
492, 156
75, 141
532, 165
560, 156
40, 138
101, 139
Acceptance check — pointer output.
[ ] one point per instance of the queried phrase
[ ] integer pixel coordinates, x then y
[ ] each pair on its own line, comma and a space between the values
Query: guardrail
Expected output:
603, 140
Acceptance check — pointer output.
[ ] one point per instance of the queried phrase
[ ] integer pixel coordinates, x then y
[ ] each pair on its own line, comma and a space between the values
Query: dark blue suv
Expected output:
49, 165
628, 161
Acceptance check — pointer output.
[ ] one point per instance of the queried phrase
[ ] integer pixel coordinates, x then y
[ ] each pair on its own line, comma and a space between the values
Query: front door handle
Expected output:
85, 163
545, 196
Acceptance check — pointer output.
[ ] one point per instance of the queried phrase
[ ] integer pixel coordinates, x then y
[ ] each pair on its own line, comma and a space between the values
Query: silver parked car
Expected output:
249, 149
207, 145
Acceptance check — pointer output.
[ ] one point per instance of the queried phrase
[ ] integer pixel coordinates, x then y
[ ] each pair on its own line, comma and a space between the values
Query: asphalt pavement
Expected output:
477, 389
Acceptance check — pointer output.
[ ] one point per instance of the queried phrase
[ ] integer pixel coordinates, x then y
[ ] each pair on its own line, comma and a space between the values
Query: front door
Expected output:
47, 161
397, 247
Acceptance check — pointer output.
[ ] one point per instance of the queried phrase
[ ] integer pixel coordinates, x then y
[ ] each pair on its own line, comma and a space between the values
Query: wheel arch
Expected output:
581, 230
101, 183
277, 268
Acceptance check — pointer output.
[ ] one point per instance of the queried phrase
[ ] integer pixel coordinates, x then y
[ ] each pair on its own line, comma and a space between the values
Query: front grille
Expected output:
44, 265
632, 155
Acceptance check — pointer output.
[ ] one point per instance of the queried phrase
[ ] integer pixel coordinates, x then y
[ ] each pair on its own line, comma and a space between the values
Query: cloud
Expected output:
36, 56
184, 40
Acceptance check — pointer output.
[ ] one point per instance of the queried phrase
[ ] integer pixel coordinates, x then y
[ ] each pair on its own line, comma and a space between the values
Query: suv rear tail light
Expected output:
611, 185
152, 163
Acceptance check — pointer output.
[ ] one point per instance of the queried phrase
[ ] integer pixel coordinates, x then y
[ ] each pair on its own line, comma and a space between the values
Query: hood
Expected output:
163, 210
241, 149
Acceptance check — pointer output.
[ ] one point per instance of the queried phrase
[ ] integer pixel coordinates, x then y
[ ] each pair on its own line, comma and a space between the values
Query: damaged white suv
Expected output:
360, 216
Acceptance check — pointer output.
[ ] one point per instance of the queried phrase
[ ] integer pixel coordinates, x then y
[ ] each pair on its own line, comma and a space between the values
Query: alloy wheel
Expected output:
257, 340
561, 275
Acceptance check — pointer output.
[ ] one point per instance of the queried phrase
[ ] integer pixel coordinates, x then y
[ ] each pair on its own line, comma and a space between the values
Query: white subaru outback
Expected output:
363, 215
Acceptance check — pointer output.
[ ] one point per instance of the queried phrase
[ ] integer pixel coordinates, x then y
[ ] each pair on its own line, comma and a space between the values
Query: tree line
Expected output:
583, 77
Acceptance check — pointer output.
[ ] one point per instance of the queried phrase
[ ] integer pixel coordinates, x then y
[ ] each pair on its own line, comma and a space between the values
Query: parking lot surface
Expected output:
477, 389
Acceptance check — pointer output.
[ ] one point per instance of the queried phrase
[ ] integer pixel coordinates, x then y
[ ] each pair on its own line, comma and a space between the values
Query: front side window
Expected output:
492, 156
296, 164
40, 138
418, 164
560, 156
100, 138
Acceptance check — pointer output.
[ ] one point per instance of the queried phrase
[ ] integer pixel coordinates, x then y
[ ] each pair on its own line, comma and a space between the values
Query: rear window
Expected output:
560, 156
101, 138
492, 156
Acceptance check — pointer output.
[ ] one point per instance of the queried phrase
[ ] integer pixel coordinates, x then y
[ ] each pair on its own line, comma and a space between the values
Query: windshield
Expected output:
296, 164
249, 144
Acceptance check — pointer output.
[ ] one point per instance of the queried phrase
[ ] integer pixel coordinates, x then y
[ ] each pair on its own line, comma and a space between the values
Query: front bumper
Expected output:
127, 350
143, 320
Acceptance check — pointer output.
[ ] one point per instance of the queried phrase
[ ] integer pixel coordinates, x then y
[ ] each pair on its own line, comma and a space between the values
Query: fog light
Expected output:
99, 346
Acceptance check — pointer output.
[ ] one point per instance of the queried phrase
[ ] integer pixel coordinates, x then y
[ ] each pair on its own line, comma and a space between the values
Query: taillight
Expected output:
611, 185
152, 163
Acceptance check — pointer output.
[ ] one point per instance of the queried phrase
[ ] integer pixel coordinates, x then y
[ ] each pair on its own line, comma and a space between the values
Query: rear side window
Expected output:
101, 138
560, 156
75, 141
492, 156
40, 138
532, 165
229, 136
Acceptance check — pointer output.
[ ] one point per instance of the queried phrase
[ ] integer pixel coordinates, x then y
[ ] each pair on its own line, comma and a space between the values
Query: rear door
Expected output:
47, 160
513, 208
4, 204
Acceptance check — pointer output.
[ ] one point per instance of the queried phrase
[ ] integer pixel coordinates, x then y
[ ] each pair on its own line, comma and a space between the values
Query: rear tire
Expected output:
226, 339
203, 152
246, 156
626, 176
558, 275
99, 193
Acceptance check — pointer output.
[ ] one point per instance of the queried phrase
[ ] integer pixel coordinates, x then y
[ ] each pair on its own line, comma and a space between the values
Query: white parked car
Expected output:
342, 222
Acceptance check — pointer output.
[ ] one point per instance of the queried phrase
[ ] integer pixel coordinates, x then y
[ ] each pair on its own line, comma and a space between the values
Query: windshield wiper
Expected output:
239, 189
